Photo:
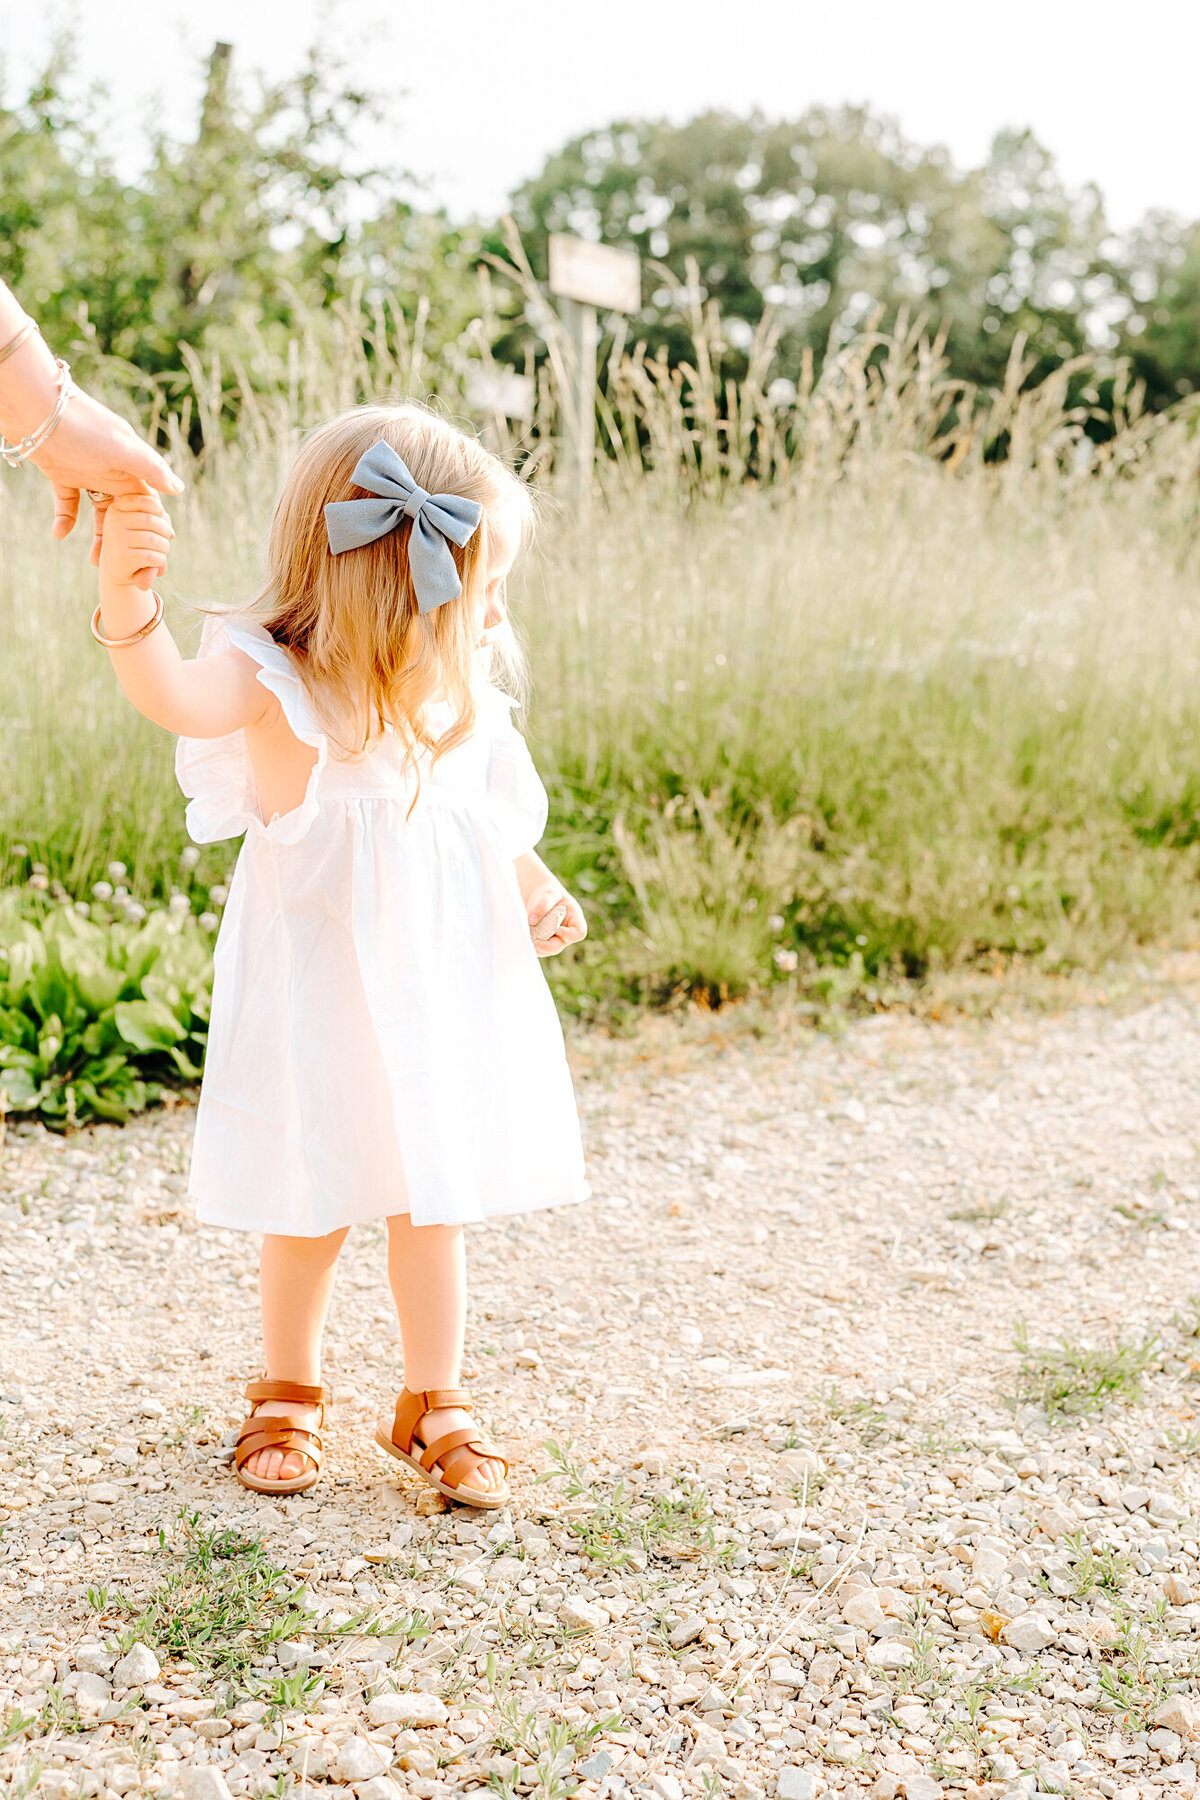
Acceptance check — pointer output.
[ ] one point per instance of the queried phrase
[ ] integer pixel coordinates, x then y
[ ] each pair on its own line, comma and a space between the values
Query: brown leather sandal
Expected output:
281, 1431
402, 1442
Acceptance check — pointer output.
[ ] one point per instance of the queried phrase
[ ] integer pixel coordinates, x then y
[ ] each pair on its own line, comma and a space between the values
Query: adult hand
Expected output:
92, 447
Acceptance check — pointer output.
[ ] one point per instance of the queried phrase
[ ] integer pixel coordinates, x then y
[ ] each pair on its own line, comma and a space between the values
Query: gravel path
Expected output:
810, 1526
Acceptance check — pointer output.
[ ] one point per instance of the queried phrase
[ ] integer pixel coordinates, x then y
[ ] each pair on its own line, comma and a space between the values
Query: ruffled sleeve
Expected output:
516, 797
215, 773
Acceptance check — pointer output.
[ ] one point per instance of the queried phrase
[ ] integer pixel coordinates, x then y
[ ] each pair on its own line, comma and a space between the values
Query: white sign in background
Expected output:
595, 274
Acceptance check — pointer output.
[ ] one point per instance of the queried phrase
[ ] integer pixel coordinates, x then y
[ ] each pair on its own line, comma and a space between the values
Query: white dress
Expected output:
382, 1038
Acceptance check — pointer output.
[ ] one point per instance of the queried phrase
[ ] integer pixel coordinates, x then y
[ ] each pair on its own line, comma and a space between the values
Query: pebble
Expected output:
796, 1783
407, 1709
379, 1787
358, 1760
863, 1609
1179, 1714
200, 1781
137, 1667
92, 1693
1028, 1634
581, 1615
686, 1632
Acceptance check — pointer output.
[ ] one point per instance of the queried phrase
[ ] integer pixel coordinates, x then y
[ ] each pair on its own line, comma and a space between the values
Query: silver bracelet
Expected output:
15, 454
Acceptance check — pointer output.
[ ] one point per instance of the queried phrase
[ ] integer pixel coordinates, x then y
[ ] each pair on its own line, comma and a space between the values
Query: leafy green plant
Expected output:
611, 1526
1071, 1378
97, 1018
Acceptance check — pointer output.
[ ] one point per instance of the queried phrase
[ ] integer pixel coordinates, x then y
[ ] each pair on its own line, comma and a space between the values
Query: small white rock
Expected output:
922, 1787
1179, 1714
137, 1668
580, 1615
1177, 1589
796, 1783
104, 1493
686, 1632
406, 1709
892, 1653
92, 1693
863, 1610
1028, 1634
380, 1787
358, 1760
200, 1781
94, 1658
667, 1787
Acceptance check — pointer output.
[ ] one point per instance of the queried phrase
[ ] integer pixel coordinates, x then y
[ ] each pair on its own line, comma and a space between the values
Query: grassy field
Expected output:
892, 712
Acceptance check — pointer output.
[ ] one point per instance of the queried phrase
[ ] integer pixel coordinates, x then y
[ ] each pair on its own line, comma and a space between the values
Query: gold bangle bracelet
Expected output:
21, 337
135, 637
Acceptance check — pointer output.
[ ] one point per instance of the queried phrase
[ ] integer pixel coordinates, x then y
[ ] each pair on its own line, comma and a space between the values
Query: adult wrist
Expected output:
28, 386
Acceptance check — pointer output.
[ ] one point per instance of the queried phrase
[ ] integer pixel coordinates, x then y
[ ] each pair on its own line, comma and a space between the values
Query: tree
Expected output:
825, 218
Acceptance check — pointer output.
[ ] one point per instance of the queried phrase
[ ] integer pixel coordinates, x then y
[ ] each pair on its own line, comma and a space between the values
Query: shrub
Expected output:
97, 1016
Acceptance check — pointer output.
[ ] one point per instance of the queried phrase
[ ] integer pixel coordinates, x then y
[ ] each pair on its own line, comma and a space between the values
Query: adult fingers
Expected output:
66, 510
140, 465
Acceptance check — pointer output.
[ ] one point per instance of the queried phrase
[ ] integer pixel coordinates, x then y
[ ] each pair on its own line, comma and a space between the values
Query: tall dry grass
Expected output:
823, 690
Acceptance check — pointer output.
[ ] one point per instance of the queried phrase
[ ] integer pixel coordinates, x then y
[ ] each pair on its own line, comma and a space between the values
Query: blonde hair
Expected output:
369, 658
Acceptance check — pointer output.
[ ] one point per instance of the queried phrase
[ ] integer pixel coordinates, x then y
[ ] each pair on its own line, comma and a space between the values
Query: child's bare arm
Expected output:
194, 699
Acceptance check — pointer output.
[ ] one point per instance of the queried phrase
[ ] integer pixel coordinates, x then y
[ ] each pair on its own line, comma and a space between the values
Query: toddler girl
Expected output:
382, 1043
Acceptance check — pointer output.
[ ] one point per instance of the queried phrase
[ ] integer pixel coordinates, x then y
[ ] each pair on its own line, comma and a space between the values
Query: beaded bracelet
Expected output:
135, 637
15, 454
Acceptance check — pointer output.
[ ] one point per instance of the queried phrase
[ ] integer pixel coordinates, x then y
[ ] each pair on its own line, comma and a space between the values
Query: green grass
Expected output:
1073, 1379
882, 719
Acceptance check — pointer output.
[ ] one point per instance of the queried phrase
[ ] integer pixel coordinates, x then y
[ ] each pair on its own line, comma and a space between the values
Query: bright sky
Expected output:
483, 91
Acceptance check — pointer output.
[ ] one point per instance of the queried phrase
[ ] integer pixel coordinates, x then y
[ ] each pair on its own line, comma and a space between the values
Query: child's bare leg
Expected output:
428, 1272
295, 1280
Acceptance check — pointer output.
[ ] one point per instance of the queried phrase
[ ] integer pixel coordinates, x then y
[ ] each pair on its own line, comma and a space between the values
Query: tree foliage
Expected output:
262, 214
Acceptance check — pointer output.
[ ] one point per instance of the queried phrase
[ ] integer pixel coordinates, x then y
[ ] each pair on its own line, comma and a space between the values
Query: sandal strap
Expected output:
263, 1388
277, 1432
469, 1437
411, 1409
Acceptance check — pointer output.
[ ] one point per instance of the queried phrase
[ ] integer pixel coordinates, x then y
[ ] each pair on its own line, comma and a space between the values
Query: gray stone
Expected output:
94, 1658
202, 1782
358, 1760
292, 1652
596, 1767
892, 1653
795, 1783
407, 1709
137, 1668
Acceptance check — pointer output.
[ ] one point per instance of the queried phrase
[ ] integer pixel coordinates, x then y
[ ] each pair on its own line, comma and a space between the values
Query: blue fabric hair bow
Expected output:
436, 518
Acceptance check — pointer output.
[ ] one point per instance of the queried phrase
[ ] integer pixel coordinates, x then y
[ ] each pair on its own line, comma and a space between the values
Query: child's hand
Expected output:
137, 540
550, 898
